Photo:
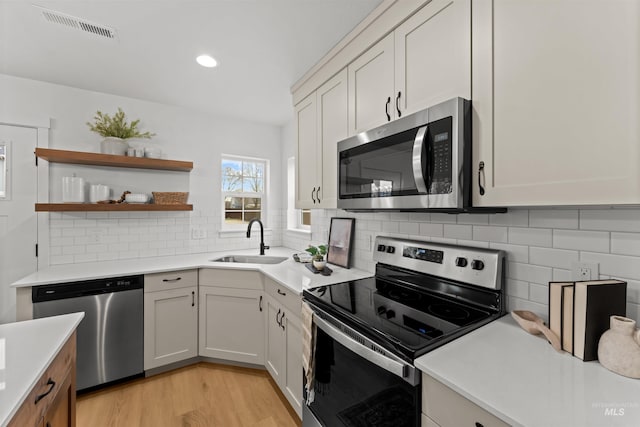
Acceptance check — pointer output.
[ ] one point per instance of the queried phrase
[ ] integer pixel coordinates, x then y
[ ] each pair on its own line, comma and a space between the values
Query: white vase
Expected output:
113, 145
319, 265
619, 347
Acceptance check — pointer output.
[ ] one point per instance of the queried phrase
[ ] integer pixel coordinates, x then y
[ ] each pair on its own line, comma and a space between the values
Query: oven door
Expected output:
357, 383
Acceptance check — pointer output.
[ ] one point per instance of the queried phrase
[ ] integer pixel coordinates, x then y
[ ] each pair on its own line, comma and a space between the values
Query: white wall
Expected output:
182, 134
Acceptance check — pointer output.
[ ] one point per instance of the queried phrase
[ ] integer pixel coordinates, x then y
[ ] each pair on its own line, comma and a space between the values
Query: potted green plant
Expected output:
318, 253
116, 130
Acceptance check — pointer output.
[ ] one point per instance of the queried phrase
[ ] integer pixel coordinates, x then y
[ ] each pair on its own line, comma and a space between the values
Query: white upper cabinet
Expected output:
426, 60
556, 102
321, 122
332, 127
307, 156
433, 56
371, 87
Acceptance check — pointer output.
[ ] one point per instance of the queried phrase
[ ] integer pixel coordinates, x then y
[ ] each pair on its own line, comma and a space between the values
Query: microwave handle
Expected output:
418, 145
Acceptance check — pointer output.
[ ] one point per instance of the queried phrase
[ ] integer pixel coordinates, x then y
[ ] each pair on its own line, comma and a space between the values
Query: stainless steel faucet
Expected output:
262, 246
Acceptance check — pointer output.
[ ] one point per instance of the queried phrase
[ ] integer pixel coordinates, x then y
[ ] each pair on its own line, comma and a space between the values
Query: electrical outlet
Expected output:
584, 271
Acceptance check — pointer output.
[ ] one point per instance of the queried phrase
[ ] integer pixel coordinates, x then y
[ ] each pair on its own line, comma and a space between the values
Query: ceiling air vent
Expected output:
77, 23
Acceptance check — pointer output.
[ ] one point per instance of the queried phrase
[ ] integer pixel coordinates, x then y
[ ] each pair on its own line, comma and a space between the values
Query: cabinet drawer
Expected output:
31, 413
226, 278
450, 409
285, 296
170, 280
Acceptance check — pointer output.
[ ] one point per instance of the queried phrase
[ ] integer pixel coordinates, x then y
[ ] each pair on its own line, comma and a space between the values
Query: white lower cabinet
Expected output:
443, 407
284, 342
232, 324
170, 318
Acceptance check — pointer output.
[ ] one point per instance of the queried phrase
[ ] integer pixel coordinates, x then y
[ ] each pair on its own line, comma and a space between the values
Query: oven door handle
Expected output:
402, 370
418, 148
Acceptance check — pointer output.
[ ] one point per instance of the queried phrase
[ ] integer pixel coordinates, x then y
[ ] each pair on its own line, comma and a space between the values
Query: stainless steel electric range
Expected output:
370, 331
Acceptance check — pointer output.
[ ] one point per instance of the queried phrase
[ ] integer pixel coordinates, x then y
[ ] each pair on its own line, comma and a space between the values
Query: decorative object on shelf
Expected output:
136, 198
318, 253
152, 153
341, 233
530, 322
99, 192
619, 347
170, 198
73, 189
116, 130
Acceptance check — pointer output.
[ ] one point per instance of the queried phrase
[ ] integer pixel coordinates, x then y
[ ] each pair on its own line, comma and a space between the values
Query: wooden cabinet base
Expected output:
52, 401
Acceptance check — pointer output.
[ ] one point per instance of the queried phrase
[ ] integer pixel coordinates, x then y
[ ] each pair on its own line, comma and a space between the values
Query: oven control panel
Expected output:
478, 266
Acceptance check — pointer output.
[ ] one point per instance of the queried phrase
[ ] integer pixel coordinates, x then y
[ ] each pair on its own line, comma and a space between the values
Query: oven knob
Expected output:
381, 248
381, 310
476, 264
390, 249
461, 262
391, 314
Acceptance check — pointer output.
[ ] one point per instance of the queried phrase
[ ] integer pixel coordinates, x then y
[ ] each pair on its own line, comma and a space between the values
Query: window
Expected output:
299, 219
243, 190
3, 171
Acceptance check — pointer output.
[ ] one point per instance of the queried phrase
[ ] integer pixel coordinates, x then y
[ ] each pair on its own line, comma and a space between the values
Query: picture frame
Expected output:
340, 249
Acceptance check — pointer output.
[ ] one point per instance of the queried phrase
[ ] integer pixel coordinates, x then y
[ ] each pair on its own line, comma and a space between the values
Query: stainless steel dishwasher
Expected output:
110, 337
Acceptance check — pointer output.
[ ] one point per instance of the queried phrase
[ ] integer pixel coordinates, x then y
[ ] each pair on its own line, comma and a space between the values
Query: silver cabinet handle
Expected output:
418, 145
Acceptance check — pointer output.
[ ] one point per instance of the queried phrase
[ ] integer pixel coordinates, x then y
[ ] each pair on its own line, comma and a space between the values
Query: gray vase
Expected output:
619, 347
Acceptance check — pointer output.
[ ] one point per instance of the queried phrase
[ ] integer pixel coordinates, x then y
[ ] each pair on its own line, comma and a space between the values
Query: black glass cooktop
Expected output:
405, 318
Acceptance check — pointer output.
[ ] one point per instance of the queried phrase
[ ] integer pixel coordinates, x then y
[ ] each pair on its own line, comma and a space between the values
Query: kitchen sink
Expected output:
251, 259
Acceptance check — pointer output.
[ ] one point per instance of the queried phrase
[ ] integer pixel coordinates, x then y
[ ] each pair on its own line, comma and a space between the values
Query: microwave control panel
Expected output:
441, 172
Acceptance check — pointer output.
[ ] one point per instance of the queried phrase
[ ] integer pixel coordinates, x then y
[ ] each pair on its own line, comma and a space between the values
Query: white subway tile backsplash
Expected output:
517, 288
529, 273
554, 218
530, 236
512, 218
456, 231
432, 230
473, 219
490, 233
633, 311
596, 241
443, 218
561, 275
625, 243
610, 220
473, 243
516, 253
558, 258
410, 228
539, 293
391, 227
614, 265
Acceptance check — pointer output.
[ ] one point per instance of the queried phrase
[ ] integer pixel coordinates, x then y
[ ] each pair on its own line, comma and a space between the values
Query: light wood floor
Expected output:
202, 395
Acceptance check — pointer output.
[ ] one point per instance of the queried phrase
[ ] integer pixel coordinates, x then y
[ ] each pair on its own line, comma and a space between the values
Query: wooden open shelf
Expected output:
97, 159
104, 207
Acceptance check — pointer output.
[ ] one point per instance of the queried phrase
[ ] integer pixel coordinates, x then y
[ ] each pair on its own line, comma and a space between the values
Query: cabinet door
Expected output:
556, 102
332, 127
231, 324
293, 383
307, 157
61, 413
170, 326
433, 56
371, 87
275, 344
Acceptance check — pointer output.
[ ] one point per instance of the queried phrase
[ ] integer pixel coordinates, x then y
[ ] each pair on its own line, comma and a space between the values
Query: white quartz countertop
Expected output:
26, 350
289, 273
521, 379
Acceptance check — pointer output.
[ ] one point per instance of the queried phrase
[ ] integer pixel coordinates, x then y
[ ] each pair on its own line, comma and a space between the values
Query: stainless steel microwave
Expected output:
418, 162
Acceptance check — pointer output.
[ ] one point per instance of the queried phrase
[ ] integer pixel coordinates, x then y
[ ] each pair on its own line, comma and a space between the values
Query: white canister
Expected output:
99, 192
72, 189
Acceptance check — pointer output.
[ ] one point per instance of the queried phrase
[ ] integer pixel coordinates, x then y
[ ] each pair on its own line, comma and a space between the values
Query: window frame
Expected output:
294, 215
244, 194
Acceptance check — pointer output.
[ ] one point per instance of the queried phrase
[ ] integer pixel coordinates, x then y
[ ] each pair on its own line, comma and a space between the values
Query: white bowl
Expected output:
136, 198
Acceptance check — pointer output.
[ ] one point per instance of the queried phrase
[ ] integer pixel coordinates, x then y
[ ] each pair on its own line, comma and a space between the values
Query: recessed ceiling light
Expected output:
206, 61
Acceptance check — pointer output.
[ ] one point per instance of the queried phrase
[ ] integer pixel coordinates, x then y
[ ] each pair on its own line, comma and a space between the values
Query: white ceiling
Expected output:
262, 46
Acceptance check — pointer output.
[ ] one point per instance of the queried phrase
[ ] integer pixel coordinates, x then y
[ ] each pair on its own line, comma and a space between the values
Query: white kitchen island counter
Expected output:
522, 380
289, 273
26, 350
